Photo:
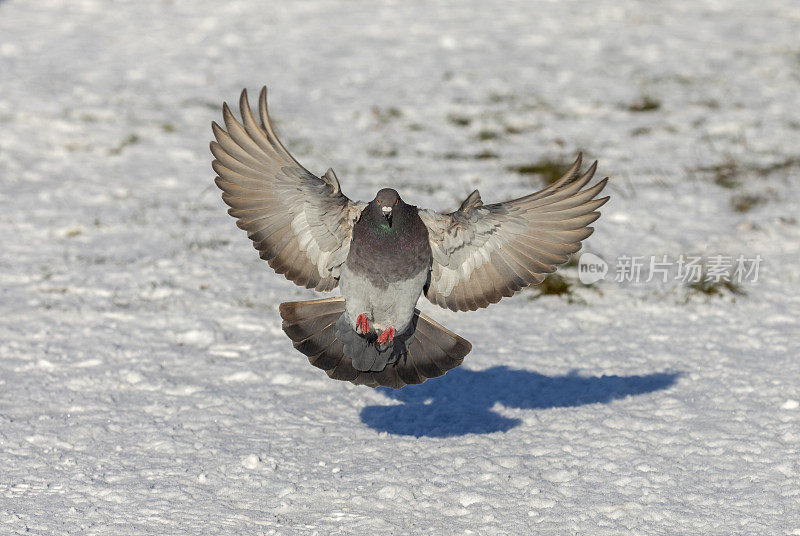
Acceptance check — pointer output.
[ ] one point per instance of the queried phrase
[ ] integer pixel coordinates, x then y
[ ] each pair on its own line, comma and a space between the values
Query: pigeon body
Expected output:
384, 274
384, 254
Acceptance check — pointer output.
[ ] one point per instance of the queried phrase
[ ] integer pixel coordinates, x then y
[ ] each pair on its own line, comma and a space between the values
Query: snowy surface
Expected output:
146, 386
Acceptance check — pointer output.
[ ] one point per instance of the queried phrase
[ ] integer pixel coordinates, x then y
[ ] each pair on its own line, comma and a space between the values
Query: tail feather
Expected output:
431, 351
294, 312
344, 369
443, 348
424, 364
308, 324
318, 342
408, 373
327, 359
388, 377
303, 328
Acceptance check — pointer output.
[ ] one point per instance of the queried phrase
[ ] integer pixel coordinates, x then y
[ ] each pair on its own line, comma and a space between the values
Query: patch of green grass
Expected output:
487, 135
783, 165
459, 120
644, 104
556, 284
724, 174
548, 171
131, 139
641, 131
168, 127
746, 202
715, 288
385, 115
718, 287
93, 260
728, 173
483, 155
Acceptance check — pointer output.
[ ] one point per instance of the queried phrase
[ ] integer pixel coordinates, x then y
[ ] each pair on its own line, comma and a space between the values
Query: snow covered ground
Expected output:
146, 386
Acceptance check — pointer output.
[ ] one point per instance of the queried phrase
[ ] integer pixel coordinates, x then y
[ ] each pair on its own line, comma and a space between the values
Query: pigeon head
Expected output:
386, 201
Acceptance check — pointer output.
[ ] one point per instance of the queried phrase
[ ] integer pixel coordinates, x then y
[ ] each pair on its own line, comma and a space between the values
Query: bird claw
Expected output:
362, 324
387, 336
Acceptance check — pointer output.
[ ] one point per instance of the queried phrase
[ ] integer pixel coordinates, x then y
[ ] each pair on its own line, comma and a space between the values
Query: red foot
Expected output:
386, 336
362, 324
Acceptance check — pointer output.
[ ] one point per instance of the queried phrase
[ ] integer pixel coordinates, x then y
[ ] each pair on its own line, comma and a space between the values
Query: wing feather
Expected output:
301, 224
483, 253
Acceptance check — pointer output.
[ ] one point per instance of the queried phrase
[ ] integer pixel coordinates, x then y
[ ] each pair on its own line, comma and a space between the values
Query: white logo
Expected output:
591, 268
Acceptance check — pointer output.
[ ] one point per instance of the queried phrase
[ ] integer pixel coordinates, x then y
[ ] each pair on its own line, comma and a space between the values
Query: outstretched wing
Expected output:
300, 223
484, 252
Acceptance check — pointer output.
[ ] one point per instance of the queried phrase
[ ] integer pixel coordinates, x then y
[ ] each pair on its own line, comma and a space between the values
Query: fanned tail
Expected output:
431, 351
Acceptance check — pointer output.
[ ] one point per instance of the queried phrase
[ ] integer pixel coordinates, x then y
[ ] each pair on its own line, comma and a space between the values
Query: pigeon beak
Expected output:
387, 213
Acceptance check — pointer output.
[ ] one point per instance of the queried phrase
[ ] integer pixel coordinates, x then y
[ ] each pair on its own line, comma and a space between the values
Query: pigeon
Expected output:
384, 254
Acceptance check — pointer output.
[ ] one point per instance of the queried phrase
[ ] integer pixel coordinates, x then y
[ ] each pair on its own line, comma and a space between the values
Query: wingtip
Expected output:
591, 170
571, 173
263, 110
244, 103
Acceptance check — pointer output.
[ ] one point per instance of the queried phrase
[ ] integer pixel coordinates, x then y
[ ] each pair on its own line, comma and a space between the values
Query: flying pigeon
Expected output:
384, 254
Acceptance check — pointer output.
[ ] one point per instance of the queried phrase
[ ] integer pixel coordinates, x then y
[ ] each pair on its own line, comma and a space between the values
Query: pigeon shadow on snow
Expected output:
461, 402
